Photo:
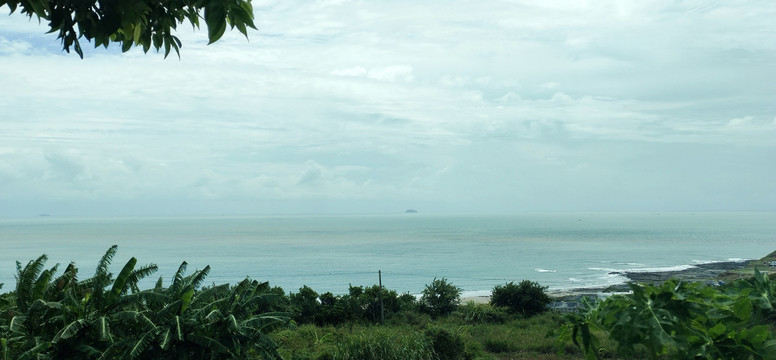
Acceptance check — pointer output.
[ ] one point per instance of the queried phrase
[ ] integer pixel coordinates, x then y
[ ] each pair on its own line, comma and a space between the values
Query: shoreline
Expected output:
714, 272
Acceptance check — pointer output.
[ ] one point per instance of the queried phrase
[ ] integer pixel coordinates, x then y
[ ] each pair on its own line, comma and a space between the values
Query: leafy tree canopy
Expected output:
143, 23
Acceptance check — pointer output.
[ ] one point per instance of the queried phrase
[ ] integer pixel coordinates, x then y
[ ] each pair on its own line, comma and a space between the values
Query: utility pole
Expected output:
382, 306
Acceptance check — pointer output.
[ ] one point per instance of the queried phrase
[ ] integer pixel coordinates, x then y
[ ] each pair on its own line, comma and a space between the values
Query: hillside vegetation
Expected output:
51, 315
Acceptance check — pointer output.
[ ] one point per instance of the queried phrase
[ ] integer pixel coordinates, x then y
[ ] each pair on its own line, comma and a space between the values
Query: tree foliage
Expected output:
527, 298
146, 23
440, 298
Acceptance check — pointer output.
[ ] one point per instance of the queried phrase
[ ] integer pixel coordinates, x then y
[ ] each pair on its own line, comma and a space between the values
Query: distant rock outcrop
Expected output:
410, 211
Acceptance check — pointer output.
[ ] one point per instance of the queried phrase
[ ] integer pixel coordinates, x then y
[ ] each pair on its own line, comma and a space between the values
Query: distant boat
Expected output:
410, 211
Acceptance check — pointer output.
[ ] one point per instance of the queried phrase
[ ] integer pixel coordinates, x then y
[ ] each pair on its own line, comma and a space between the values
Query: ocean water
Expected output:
327, 253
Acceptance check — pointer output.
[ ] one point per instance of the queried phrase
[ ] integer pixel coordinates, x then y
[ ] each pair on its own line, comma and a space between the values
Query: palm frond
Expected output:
42, 283
208, 343
70, 330
265, 323
17, 324
141, 300
165, 338
103, 329
186, 298
169, 310
25, 280
33, 353
199, 276
120, 284
141, 345
139, 274
214, 316
102, 266
102, 276
159, 283
57, 287
177, 280
208, 295
178, 329
89, 351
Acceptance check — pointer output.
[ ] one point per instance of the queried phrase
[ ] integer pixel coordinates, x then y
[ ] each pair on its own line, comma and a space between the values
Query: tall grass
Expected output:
386, 344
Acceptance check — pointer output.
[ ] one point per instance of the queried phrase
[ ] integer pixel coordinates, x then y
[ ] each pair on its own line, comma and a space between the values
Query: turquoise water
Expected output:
329, 252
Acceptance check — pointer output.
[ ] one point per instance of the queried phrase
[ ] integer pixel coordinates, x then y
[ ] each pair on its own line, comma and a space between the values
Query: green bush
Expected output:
304, 305
472, 313
527, 298
440, 298
446, 345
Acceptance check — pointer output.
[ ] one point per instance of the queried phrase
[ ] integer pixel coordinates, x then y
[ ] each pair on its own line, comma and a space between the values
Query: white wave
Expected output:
475, 293
545, 270
661, 269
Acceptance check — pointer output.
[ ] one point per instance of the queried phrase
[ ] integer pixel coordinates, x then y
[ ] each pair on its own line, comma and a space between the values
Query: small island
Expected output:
410, 211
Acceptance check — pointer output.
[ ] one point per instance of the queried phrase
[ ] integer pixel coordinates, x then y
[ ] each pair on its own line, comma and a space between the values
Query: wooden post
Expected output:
382, 306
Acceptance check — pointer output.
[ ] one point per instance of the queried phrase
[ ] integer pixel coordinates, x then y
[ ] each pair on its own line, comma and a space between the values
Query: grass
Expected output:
515, 338
763, 265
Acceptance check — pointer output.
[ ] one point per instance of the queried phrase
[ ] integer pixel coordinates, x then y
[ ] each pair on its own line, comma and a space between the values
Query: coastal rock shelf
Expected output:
700, 272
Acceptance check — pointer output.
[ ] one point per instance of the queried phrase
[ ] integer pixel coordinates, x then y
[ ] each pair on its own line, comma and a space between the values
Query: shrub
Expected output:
446, 345
472, 313
440, 298
527, 298
304, 305
371, 302
407, 302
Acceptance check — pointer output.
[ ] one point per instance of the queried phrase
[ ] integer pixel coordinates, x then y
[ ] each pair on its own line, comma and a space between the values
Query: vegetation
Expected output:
107, 317
440, 298
681, 320
527, 298
131, 23
51, 315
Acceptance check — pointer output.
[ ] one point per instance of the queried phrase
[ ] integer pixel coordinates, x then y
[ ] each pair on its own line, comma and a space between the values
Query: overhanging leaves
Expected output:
145, 23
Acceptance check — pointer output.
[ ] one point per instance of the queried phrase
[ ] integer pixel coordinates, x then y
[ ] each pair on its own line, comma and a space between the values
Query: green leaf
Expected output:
186, 298
120, 284
717, 330
742, 308
138, 31
33, 353
215, 18
103, 328
70, 330
208, 342
165, 339
141, 345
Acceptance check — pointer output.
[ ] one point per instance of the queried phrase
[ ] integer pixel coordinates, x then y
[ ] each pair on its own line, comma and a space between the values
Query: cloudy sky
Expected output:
379, 106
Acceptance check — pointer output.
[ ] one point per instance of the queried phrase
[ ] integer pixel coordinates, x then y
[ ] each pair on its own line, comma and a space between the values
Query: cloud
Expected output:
508, 106
14, 47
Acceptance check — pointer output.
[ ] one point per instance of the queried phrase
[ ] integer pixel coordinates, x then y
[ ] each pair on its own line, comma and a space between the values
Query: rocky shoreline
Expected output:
569, 300
700, 272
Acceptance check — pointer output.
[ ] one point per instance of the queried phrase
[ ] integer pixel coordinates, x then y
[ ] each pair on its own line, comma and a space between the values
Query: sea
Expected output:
405, 251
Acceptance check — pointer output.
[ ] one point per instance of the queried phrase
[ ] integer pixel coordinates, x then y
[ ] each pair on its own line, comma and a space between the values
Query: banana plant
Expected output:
217, 322
675, 320
103, 317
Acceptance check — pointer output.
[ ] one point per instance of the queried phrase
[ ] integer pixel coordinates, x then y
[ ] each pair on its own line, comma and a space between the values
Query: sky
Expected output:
354, 107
